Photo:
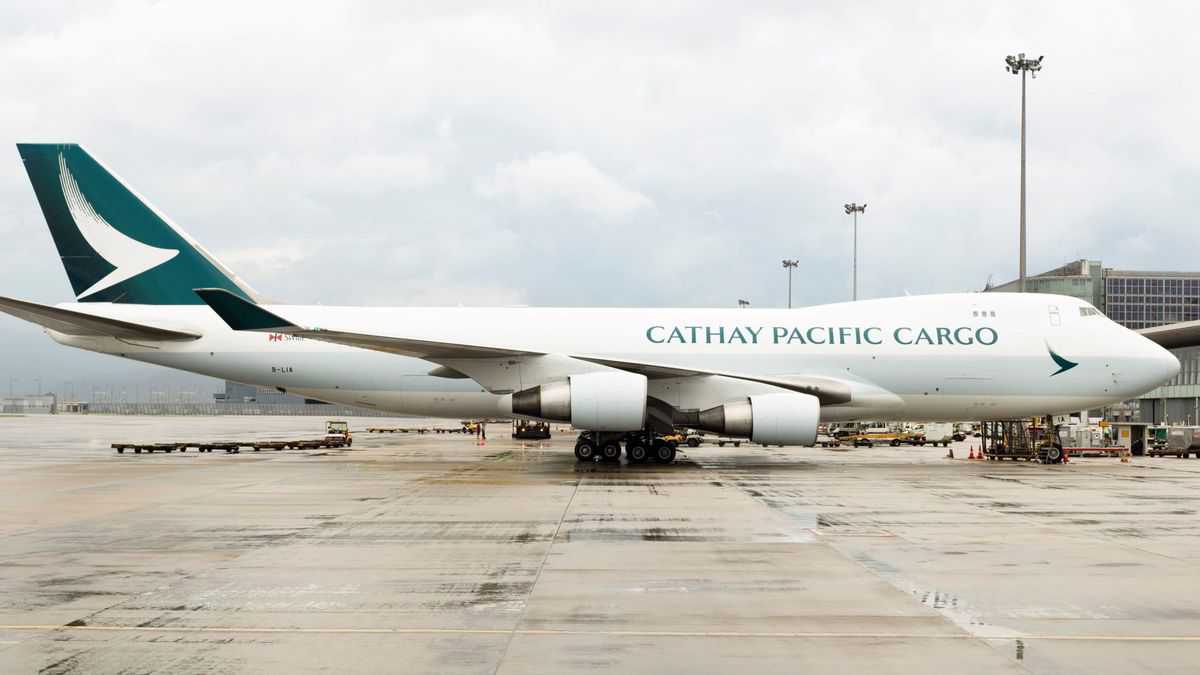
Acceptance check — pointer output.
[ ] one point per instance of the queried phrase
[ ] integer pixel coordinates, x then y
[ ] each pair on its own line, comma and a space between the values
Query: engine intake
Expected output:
601, 401
773, 419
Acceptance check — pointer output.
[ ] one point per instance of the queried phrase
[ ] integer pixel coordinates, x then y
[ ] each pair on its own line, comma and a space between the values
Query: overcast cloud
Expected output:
639, 154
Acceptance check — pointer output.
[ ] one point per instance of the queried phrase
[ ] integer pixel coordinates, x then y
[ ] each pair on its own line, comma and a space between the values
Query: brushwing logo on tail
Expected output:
129, 256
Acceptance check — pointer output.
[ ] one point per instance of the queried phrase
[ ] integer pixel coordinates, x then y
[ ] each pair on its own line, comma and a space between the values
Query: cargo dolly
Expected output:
230, 447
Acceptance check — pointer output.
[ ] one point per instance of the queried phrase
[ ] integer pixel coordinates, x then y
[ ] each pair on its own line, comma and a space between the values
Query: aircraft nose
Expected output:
1166, 365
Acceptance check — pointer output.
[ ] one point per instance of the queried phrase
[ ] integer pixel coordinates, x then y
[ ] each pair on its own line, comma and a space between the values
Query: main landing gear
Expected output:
640, 447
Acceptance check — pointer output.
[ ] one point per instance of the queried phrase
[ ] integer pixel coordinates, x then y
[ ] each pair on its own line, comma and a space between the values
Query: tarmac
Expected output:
432, 554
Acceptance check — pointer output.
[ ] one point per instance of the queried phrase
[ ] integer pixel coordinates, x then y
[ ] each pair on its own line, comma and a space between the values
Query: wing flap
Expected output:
80, 324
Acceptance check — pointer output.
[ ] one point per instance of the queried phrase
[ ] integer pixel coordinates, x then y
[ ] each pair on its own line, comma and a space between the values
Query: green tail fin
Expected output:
114, 245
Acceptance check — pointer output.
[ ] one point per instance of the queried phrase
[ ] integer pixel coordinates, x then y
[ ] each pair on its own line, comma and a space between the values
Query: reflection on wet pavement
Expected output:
433, 554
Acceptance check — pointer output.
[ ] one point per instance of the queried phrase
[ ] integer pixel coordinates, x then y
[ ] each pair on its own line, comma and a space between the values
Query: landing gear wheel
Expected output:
636, 452
611, 451
664, 453
585, 451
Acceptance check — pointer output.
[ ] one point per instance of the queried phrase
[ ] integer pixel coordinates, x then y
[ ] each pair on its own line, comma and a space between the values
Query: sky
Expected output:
612, 154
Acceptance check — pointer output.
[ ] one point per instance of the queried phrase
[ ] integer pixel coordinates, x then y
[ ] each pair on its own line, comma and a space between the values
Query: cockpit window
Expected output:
1088, 311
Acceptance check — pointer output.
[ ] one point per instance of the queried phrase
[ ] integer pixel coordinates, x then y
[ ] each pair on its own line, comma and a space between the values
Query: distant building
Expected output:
236, 392
38, 404
1133, 299
1083, 279
1136, 300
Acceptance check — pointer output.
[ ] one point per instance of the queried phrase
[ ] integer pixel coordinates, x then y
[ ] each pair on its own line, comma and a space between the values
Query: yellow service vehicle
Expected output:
885, 436
675, 438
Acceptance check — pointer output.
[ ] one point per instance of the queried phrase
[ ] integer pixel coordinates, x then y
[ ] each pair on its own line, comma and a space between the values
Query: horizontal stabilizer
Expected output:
80, 324
242, 314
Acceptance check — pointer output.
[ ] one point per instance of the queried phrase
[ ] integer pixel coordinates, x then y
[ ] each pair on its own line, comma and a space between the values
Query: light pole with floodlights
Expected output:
853, 209
790, 265
1020, 64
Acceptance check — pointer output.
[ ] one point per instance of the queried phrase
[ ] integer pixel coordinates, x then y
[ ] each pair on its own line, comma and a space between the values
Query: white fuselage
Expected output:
938, 357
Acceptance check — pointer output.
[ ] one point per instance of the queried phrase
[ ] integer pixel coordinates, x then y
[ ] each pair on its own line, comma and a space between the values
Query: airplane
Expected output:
146, 290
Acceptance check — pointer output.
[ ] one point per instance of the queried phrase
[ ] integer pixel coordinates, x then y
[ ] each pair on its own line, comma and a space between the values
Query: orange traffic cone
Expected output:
972, 455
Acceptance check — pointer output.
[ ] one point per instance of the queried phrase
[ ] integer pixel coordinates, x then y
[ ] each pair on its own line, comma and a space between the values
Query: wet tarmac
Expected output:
430, 554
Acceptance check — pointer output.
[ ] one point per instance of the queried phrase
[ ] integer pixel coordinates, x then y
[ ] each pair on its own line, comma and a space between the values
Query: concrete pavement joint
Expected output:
553, 632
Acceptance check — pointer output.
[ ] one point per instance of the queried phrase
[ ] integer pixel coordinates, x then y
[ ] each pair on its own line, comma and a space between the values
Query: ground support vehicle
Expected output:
885, 436
940, 432
827, 441
1181, 441
531, 429
338, 430
1018, 439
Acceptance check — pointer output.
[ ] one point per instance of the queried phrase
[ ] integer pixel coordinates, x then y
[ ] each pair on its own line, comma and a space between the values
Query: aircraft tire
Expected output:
585, 451
610, 452
664, 453
637, 453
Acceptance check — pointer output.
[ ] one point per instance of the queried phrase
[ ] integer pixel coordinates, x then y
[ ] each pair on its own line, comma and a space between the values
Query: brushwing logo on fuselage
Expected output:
1063, 364
129, 256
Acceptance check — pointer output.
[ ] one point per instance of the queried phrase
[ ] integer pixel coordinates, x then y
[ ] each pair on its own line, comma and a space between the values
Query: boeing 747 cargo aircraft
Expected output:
145, 290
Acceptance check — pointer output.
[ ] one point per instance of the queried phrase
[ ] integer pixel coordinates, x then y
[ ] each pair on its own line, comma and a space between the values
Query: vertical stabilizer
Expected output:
114, 245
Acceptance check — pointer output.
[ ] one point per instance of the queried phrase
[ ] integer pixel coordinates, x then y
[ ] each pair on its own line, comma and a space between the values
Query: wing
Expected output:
1174, 335
241, 314
88, 325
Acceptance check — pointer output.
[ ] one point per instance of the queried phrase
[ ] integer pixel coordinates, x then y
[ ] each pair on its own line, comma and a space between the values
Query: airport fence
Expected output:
217, 409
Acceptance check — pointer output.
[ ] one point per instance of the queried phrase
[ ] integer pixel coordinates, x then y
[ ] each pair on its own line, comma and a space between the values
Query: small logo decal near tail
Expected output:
129, 256
1063, 364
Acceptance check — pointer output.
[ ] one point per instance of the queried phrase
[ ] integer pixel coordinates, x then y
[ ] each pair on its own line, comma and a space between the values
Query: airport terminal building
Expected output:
1136, 300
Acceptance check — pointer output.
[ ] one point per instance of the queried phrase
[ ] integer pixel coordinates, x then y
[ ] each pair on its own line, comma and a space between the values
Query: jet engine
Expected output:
601, 401
772, 419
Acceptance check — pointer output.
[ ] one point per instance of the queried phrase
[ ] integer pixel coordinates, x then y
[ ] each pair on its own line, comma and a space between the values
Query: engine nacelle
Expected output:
772, 419
601, 401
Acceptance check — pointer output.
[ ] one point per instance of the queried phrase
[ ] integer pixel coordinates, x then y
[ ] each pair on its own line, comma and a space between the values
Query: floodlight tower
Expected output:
1020, 65
743, 304
790, 265
853, 210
